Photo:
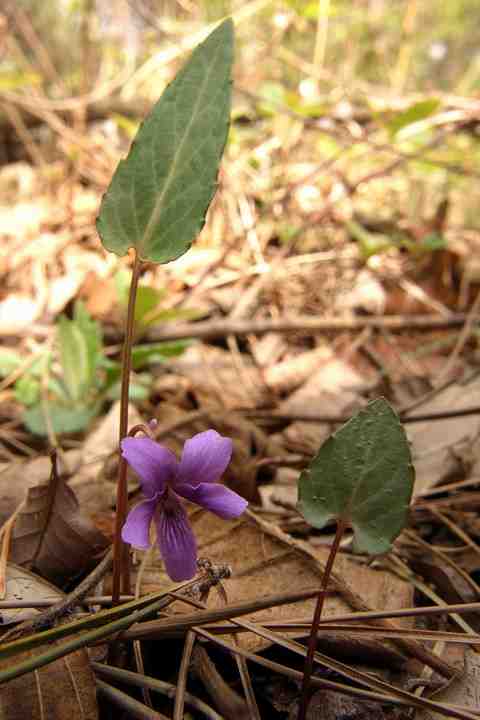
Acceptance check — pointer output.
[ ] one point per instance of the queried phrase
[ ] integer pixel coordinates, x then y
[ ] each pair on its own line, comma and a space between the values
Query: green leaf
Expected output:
150, 353
27, 390
16, 79
416, 112
363, 475
434, 241
139, 388
129, 126
92, 334
272, 97
148, 298
9, 361
40, 365
172, 315
369, 243
80, 345
74, 358
63, 419
159, 195
147, 302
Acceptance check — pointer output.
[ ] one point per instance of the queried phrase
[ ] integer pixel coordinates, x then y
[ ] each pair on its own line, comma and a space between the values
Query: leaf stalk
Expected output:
312, 640
121, 568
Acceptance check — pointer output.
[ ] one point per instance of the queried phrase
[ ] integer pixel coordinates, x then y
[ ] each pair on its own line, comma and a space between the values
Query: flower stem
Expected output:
312, 641
120, 559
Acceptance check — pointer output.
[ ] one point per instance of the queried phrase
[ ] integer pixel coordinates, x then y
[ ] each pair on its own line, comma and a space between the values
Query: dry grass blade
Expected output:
453, 527
183, 675
460, 608
137, 646
365, 679
164, 688
403, 570
339, 687
157, 628
253, 710
445, 559
121, 700
373, 631
357, 676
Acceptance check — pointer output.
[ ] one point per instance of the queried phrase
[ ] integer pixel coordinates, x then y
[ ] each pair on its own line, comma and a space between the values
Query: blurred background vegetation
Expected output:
355, 131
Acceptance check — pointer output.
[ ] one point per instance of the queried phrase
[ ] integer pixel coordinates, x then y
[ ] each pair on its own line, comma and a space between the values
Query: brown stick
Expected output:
304, 323
340, 419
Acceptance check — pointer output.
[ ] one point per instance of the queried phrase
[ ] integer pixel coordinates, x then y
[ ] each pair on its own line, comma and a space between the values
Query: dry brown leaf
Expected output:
52, 536
214, 378
268, 349
23, 585
289, 374
463, 690
333, 390
63, 690
266, 561
15, 479
435, 444
367, 295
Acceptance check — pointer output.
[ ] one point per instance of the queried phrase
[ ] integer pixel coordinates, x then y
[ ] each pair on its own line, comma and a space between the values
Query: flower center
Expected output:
170, 503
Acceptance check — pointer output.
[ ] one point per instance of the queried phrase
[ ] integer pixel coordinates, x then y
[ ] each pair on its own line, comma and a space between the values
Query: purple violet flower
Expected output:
164, 480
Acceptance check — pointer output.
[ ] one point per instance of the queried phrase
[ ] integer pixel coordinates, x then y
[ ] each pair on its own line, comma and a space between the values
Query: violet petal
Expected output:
176, 540
205, 458
136, 530
214, 497
154, 464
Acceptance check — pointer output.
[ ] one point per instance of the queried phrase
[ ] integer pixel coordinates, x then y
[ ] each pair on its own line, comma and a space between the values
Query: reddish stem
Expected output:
120, 559
312, 641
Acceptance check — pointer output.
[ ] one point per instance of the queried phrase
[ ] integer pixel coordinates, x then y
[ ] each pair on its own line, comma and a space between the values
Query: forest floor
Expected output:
338, 264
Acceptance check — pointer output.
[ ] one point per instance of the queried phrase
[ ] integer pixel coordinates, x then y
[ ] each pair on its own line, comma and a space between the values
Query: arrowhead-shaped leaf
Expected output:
363, 474
159, 195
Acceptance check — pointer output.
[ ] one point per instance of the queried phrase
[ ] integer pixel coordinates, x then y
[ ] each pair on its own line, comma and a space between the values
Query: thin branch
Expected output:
212, 329
338, 419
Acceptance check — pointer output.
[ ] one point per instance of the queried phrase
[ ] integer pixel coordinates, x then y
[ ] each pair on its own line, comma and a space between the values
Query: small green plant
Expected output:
370, 243
362, 477
68, 387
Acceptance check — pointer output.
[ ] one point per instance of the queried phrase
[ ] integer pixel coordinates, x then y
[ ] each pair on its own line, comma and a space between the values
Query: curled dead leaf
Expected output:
51, 535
